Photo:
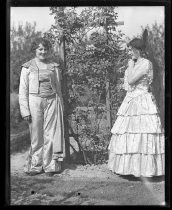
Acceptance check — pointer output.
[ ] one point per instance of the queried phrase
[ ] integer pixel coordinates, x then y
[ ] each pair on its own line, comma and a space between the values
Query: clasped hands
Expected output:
28, 118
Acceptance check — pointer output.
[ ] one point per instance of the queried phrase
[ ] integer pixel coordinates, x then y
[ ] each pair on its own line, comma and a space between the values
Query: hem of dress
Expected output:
137, 164
137, 176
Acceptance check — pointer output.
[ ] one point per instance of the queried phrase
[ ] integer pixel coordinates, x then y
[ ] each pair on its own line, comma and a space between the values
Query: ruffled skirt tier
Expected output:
137, 143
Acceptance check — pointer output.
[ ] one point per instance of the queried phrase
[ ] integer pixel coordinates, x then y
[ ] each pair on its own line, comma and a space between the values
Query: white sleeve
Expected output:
24, 92
126, 86
145, 67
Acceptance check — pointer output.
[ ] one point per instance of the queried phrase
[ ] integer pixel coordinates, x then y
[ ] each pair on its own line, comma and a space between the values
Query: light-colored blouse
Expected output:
144, 82
45, 86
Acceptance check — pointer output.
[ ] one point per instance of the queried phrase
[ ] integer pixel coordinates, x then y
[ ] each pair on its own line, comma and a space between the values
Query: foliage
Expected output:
89, 124
93, 57
20, 41
155, 49
14, 109
16, 121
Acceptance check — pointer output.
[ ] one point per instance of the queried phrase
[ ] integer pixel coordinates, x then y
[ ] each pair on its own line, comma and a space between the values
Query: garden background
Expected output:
92, 78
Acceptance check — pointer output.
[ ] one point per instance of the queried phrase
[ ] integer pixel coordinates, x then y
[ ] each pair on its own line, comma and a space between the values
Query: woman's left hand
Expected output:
28, 118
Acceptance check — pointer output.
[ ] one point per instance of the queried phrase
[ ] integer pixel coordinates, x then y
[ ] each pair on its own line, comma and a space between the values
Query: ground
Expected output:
79, 185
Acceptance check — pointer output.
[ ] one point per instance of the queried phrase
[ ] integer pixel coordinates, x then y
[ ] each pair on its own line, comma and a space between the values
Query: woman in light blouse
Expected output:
41, 104
137, 143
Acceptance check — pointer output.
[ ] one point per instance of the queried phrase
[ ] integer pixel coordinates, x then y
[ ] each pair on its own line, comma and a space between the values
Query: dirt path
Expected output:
81, 185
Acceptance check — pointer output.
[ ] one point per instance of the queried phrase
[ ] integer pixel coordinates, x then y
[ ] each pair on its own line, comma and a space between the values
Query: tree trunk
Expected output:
65, 98
108, 107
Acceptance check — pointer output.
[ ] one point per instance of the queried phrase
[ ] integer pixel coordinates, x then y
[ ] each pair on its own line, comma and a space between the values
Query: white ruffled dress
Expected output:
137, 143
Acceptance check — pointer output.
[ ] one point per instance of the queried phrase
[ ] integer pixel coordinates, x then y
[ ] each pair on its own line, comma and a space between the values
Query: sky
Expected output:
133, 16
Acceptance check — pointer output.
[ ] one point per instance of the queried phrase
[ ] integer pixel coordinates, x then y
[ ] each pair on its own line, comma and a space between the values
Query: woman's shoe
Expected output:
50, 174
32, 173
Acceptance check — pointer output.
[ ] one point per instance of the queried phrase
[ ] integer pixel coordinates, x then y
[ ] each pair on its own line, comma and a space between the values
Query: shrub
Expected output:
16, 121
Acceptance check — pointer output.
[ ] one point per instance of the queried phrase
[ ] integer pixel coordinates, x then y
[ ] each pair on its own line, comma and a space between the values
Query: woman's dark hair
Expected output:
45, 42
137, 44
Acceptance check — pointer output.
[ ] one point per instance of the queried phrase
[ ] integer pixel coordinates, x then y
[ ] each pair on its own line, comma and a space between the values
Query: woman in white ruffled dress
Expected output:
137, 143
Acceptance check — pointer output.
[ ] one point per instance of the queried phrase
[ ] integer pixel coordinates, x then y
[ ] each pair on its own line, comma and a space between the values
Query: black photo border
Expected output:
47, 3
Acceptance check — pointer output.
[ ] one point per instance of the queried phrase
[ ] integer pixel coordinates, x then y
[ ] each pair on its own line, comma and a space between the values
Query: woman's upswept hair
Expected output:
45, 42
139, 44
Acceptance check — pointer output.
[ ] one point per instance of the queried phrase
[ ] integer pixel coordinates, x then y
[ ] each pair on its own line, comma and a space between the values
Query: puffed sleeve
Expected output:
145, 67
138, 72
24, 92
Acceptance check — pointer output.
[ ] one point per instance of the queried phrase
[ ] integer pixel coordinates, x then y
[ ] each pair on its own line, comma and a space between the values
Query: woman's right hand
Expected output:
28, 118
